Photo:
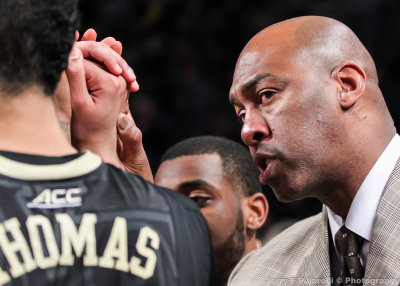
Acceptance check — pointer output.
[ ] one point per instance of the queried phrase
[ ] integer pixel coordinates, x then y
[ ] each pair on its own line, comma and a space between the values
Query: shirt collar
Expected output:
365, 204
87, 162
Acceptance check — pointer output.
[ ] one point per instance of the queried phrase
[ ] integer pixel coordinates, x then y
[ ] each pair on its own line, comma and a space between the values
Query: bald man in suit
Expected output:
317, 125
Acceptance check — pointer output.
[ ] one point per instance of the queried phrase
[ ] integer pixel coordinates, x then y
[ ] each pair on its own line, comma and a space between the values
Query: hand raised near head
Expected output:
97, 98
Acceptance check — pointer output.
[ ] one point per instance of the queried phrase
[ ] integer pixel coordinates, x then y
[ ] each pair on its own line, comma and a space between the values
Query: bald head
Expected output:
317, 41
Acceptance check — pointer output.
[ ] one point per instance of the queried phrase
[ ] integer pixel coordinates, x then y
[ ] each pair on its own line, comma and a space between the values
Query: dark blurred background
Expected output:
184, 54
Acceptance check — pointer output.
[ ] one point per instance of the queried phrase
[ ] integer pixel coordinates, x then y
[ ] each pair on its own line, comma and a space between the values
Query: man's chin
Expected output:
287, 195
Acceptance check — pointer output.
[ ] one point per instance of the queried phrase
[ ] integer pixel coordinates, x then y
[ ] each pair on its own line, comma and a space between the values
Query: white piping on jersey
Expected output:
82, 165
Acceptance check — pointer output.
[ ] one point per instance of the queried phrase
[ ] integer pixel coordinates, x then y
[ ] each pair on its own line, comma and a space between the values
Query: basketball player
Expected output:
220, 176
66, 218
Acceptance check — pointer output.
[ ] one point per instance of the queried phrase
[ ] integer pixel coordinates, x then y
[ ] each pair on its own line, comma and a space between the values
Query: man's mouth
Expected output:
264, 163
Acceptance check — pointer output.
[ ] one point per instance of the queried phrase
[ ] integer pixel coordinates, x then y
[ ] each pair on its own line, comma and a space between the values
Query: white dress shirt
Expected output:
361, 215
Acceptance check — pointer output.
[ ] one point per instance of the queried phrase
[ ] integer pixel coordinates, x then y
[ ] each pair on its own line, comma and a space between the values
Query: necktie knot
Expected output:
347, 242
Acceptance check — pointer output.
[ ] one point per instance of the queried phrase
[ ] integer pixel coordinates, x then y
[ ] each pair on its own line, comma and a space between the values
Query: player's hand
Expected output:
108, 52
97, 98
131, 151
61, 98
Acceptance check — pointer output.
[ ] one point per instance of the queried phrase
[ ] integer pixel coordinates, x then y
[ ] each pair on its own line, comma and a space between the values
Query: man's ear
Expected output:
352, 80
256, 211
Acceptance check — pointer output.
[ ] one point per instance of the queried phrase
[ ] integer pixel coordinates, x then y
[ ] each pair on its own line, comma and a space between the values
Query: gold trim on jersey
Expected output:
82, 165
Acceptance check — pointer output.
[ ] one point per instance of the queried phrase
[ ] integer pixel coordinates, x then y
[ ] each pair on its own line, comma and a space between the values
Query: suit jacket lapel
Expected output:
384, 253
316, 264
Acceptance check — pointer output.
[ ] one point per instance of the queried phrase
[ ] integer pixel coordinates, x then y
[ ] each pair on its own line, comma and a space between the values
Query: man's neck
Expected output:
28, 124
341, 196
339, 201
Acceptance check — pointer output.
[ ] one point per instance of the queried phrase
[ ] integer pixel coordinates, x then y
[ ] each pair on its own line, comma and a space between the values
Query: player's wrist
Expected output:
103, 144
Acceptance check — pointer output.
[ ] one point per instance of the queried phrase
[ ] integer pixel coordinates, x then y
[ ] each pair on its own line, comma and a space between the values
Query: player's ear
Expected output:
257, 211
352, 80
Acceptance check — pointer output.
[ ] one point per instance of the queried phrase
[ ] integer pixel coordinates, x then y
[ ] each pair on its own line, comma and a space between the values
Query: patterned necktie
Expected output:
348, 244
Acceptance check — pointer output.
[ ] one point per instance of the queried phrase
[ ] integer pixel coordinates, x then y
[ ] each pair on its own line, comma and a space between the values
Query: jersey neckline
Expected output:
68, 167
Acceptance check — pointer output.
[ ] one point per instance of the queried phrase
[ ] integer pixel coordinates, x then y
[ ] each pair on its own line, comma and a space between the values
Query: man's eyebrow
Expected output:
249, 85
186, 187
233, 100
254, 81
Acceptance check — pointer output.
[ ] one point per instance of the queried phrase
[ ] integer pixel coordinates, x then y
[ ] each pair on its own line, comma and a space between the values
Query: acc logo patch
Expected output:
57, 198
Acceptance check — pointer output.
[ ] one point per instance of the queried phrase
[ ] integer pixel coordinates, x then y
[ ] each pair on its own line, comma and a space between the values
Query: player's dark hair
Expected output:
36, 39
239, 168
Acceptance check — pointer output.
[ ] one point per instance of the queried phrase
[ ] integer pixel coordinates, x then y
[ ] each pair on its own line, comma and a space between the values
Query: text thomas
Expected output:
115, 255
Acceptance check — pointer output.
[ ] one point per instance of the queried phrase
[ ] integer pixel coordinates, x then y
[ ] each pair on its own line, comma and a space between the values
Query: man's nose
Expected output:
254, 129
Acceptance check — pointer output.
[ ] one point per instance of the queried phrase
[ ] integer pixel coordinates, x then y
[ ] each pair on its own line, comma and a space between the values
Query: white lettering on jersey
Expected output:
72, 238
117, 247
16, 245
33, 223
79, 239
56, 198
146, 234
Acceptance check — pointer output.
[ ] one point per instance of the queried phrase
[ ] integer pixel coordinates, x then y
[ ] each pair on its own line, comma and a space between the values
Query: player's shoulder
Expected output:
276, 256
193, 245
144, 191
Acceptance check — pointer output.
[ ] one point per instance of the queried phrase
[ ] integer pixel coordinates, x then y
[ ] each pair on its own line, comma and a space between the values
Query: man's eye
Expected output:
200, 201
241, 116
266, 95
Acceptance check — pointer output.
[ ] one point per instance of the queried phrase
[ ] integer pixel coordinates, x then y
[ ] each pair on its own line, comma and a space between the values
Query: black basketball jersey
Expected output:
76, 221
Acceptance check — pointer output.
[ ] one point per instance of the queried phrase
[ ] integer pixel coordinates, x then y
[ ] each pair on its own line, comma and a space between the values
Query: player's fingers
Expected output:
134, 157
133, 86
117, 46
76, 36
126, 73
97, 76
130, 134
109, 41
113, 61
113, 44
76, 79
101, 53
89, 35
131, 118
